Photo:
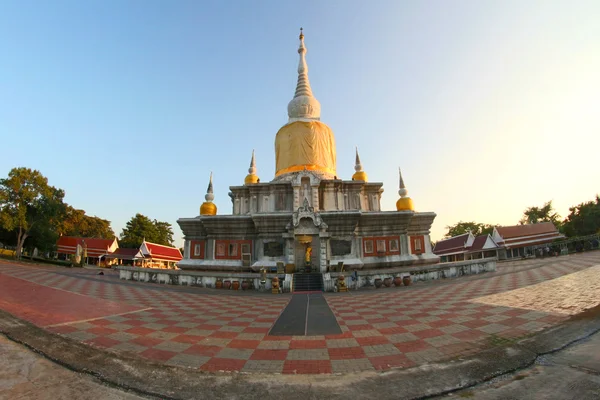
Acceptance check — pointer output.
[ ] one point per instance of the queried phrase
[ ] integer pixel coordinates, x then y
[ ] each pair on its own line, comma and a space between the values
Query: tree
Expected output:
535, 215
77, 223
141, 227
463, 227
28, 205
583, 219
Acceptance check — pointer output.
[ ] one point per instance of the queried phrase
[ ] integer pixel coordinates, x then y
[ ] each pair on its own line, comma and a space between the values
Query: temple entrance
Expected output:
307, 254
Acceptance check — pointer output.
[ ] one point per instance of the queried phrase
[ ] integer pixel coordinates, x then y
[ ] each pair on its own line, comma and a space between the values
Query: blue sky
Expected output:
488, 106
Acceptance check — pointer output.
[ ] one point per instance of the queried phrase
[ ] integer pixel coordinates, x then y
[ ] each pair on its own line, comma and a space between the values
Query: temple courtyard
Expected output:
333, 333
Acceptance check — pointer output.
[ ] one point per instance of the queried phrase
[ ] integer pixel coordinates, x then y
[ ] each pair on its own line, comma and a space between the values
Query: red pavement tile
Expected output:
175, 329
308, 344
470, 335
307, 367
412, 346
102, 341
441, 323
360, 327
187, 339
223, 364
146, 341
428, 333
101, 331
158, 355
372, 340
264, 354
139, 330
202, 350
243, 344
101, 322
391, 361
392, 331
346, 353
224, 335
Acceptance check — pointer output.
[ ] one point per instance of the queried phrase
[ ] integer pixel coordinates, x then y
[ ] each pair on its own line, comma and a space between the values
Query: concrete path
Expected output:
573, 373
26, 375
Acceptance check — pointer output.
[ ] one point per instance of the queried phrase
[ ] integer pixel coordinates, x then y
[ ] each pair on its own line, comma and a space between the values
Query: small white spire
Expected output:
209, 191
252, 169
358, 166
402, 191
304, 106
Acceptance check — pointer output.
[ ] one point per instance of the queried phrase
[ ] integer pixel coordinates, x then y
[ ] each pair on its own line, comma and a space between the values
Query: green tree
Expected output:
535, 215
77, 223
28, 205
463, 227
141, 227
583, 219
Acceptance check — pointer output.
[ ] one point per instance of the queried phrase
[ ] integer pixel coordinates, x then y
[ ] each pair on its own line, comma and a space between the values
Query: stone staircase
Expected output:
308, 283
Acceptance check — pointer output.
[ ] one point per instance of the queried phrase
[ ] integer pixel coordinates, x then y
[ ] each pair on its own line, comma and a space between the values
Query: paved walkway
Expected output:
228, 331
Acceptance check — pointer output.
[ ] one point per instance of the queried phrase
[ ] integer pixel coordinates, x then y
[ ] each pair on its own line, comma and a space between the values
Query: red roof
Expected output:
528, 235
126, 254
451, 245
509, 232
160, 252
479, 242
95, 246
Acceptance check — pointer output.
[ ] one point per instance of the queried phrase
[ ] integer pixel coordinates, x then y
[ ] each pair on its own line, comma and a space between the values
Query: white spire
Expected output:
252, 169
303, 106
357, 166
402, 191
209, 191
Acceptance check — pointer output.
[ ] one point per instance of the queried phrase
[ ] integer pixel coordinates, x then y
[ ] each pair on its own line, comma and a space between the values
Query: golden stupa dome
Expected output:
304, 143
208, 207
251, 178
359, 175
404, 203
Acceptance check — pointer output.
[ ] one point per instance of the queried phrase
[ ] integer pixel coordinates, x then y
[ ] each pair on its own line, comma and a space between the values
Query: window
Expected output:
245, 248
381, 246
368, 246
233, 250
418, 244
197, 250
394, 245
221, 249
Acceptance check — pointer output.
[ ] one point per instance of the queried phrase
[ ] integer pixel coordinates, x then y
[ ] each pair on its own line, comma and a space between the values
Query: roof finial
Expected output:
402, 187
357, 165
252, 177
404, 203
359, 175
303, 106
209, 191
208, 207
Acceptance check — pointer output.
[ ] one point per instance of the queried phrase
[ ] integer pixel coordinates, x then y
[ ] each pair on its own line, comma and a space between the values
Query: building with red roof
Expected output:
523, 240
93, 248
160, 256
466, 247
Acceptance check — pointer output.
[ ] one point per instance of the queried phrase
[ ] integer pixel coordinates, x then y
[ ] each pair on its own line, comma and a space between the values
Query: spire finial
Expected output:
303, 106
402, 187
209, 191
208, 207
357, 165
252, 178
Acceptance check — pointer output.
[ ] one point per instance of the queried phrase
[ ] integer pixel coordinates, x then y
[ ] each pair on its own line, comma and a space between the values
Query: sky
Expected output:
489, 107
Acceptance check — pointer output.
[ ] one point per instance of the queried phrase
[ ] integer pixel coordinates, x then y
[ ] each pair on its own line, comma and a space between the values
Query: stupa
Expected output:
306, 218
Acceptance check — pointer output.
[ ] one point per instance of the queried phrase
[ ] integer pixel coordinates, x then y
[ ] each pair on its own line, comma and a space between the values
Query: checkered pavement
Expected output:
381, 329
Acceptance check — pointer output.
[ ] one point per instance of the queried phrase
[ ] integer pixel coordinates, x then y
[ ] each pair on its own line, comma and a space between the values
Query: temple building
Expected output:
307, 218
